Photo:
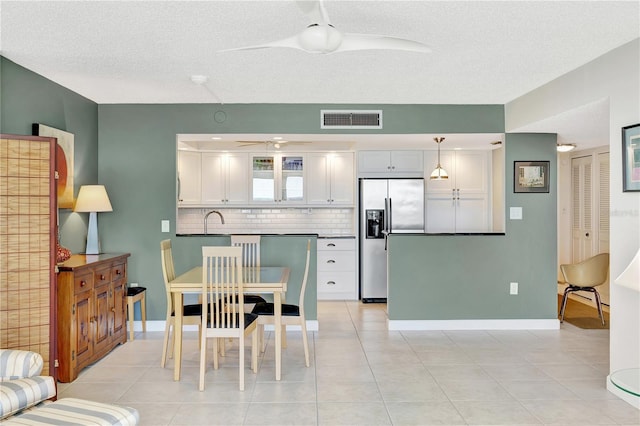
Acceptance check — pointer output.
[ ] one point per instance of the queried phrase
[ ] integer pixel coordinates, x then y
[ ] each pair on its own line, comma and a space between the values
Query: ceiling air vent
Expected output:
351, 119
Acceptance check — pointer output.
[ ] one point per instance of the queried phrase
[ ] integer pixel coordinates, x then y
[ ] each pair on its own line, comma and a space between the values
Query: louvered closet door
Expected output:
582, 208
602, 173
603, 202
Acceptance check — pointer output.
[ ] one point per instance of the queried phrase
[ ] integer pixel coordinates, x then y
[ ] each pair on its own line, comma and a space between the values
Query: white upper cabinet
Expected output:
225, 178
390, 164
331, 178
460, 203
189, 178
277, 178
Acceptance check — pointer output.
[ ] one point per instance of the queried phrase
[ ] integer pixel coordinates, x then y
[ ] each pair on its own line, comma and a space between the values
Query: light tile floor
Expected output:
362, 374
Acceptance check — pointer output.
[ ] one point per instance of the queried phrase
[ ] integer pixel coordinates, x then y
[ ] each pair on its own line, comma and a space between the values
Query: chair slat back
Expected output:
304, 278
250, 248
168, 271
222, 285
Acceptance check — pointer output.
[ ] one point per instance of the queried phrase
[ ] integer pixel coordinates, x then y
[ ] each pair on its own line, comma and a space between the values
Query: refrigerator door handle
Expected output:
389, 215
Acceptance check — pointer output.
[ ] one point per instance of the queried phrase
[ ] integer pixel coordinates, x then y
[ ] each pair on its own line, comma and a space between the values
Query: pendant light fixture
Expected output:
439, 173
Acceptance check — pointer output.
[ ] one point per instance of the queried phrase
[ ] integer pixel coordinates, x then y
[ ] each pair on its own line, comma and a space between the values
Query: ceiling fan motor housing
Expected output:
320, 38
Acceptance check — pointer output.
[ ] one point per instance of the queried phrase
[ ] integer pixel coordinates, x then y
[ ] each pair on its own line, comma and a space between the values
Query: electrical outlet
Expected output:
133, 284
165, 226
513, 288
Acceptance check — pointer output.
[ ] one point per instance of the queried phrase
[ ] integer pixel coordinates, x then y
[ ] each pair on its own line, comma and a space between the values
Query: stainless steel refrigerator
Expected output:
386, 206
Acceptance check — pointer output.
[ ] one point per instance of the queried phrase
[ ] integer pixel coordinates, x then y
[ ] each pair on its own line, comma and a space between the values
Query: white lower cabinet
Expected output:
337, 269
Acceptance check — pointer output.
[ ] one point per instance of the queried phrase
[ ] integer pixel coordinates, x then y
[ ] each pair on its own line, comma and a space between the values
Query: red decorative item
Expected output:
62, 253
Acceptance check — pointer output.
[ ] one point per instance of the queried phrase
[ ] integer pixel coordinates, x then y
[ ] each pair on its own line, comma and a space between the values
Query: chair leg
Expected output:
284, 336
165, 344
130, 304
173, 341
215, 352
599, 303
143, 313
203, 363
305, 342
564, 303
254, 351
241, 356
261, 342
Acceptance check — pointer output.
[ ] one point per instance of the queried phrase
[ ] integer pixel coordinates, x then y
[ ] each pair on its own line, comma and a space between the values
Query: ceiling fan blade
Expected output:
315, 10
290, 42
249, 143
376, 42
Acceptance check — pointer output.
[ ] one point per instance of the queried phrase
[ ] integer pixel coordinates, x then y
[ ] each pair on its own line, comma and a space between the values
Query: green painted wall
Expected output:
467, 277
138, 166
26, 98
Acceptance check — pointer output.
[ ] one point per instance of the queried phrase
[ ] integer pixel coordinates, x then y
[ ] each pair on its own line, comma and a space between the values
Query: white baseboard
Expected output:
627, 397
312, 325
509, 324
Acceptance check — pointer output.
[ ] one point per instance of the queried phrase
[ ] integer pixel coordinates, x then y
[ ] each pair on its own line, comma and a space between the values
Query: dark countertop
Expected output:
436, 234
228, 235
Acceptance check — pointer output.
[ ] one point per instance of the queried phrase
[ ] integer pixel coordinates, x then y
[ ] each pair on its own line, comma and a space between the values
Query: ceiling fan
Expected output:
322, 37
277, 144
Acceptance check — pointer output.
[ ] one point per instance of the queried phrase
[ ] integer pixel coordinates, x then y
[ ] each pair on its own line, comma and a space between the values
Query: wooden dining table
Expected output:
265, 279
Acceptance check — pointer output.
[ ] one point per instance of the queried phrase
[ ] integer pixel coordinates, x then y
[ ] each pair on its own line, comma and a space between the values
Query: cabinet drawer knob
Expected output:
331, 261
83, 283
331, 245
118, 272
331, 283
102, 277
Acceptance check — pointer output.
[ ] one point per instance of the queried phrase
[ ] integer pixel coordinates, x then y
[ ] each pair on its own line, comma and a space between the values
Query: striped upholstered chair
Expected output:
21, 386
23, 395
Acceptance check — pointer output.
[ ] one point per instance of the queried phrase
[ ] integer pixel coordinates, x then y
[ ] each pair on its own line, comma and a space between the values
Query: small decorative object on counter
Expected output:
62, 253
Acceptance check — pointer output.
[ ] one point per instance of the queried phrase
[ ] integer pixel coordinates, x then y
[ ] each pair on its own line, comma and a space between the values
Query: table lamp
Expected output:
93, 199
630, 277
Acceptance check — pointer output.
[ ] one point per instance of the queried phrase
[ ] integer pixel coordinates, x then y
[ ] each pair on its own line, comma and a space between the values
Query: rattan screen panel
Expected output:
27, 242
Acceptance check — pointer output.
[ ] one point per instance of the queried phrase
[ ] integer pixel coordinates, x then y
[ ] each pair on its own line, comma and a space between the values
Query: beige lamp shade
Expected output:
630, 277
93, 198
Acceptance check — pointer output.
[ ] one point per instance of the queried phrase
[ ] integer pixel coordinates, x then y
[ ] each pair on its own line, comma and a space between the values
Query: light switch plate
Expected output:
513, 288
515, 213
165, 226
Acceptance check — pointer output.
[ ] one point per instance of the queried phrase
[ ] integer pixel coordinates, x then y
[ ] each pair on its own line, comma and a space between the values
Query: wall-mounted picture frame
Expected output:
530, 176
631, 158
64, 162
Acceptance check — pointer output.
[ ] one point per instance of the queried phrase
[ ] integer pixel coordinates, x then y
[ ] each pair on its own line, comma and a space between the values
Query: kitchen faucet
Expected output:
206, 220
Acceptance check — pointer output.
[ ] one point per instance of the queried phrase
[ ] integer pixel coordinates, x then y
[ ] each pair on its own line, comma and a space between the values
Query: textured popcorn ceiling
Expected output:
484, 52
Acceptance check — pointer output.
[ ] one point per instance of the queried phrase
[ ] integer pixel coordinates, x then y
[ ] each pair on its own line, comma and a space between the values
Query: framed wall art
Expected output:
631, 158
64, 162
530, 176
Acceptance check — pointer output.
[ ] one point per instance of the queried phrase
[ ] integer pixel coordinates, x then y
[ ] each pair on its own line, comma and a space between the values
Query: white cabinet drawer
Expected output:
336, 261
336, 282
336, 244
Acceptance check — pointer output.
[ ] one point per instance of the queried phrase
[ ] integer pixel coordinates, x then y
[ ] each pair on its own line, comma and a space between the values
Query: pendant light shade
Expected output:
439, 173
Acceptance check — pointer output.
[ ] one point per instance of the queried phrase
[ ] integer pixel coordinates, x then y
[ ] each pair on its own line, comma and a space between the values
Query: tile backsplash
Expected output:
321, 221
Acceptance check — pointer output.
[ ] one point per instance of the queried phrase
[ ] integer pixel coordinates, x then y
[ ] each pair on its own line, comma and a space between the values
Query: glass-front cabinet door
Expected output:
277, 178
292, 178
263, 179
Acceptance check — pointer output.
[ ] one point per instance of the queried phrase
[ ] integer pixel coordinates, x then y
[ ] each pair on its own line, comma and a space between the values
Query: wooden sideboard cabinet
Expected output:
92, 292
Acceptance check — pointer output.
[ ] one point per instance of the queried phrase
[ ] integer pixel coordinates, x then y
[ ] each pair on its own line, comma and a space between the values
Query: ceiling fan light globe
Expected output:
320, 38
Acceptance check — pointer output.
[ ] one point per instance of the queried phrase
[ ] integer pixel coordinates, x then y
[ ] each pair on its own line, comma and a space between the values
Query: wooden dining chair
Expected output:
291, 314
191, 314
221, 283
250, 257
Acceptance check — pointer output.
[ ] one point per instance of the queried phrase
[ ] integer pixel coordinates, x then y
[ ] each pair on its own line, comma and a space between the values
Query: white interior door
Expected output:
582, 208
